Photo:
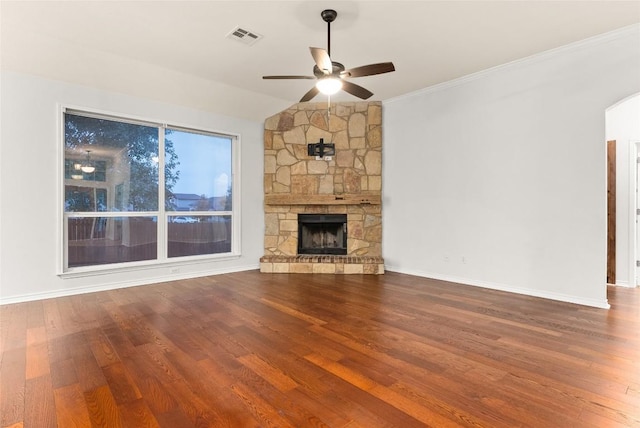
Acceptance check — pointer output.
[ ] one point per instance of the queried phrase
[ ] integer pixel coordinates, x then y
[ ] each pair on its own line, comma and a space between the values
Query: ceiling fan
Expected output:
331, 75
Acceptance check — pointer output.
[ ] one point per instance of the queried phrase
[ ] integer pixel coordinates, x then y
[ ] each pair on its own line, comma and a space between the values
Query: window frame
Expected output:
162, 259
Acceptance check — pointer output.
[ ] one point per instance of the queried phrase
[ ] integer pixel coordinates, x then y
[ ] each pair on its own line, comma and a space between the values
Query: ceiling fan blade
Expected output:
288, 77
309, 95
371, 69
356, 90
321, 57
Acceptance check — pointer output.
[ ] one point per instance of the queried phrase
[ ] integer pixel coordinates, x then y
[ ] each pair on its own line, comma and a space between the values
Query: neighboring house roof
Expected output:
187, 196
187, 201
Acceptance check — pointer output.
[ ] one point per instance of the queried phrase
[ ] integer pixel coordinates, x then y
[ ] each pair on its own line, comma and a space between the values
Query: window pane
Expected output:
119, 158
197, 235
200, 165
85, 199
104, 240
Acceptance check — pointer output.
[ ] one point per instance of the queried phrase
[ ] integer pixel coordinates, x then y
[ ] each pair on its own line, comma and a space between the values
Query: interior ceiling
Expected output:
428, 41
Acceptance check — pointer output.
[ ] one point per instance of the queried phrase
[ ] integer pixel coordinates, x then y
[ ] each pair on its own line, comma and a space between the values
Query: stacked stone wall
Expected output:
355, 169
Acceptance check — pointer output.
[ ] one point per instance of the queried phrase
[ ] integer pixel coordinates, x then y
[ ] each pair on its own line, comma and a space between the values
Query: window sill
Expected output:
142, 266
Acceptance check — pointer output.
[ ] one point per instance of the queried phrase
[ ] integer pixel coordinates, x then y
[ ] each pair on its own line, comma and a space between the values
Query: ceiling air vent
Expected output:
243, 35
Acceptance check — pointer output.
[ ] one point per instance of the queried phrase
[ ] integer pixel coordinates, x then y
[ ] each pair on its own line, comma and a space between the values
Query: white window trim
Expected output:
86, 271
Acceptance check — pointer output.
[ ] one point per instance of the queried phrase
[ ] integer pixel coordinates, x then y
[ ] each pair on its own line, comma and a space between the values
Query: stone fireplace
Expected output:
323, 215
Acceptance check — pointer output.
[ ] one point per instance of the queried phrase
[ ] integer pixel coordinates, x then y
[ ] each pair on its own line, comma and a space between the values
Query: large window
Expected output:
144, 192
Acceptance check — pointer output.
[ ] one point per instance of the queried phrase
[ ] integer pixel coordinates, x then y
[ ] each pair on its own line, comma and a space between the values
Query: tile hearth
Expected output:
322, 264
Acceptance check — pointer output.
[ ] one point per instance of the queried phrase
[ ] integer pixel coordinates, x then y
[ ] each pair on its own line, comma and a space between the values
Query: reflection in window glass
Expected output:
85, 199
105, 240
203, 181
198, 235
73, 170
99, 151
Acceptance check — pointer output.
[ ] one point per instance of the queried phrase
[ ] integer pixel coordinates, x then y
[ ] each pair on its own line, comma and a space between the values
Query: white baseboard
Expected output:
113, 286
624, 284
603, 304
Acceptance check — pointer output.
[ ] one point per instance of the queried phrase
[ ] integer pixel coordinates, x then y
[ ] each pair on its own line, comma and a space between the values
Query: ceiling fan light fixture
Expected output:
330, 73
329, 85
88, 168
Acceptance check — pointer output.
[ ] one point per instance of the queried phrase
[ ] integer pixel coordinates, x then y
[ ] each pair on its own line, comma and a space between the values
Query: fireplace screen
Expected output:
322, 234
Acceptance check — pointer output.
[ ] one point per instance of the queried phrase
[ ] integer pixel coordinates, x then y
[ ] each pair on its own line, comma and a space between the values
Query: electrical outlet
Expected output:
446, 259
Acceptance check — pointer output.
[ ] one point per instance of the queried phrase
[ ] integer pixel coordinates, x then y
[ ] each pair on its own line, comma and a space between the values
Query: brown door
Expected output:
611, 212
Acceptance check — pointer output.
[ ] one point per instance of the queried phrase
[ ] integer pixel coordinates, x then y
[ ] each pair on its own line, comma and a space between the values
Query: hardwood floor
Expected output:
290, 350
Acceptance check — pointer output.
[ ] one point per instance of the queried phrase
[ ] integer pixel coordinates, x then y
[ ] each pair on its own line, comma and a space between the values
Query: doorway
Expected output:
611, 212
623, 234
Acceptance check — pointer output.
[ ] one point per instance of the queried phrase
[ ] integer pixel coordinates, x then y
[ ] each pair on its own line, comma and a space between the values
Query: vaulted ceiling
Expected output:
124, 46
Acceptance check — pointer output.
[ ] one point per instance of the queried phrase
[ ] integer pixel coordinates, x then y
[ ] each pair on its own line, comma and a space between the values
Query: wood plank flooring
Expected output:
291, 350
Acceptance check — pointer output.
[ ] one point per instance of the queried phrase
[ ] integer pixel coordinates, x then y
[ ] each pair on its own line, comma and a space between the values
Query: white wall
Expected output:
623, 125
29, 146
506, 169
111, 72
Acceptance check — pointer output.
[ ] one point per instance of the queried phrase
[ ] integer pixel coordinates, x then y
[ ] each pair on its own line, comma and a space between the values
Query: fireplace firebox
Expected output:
322, 234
